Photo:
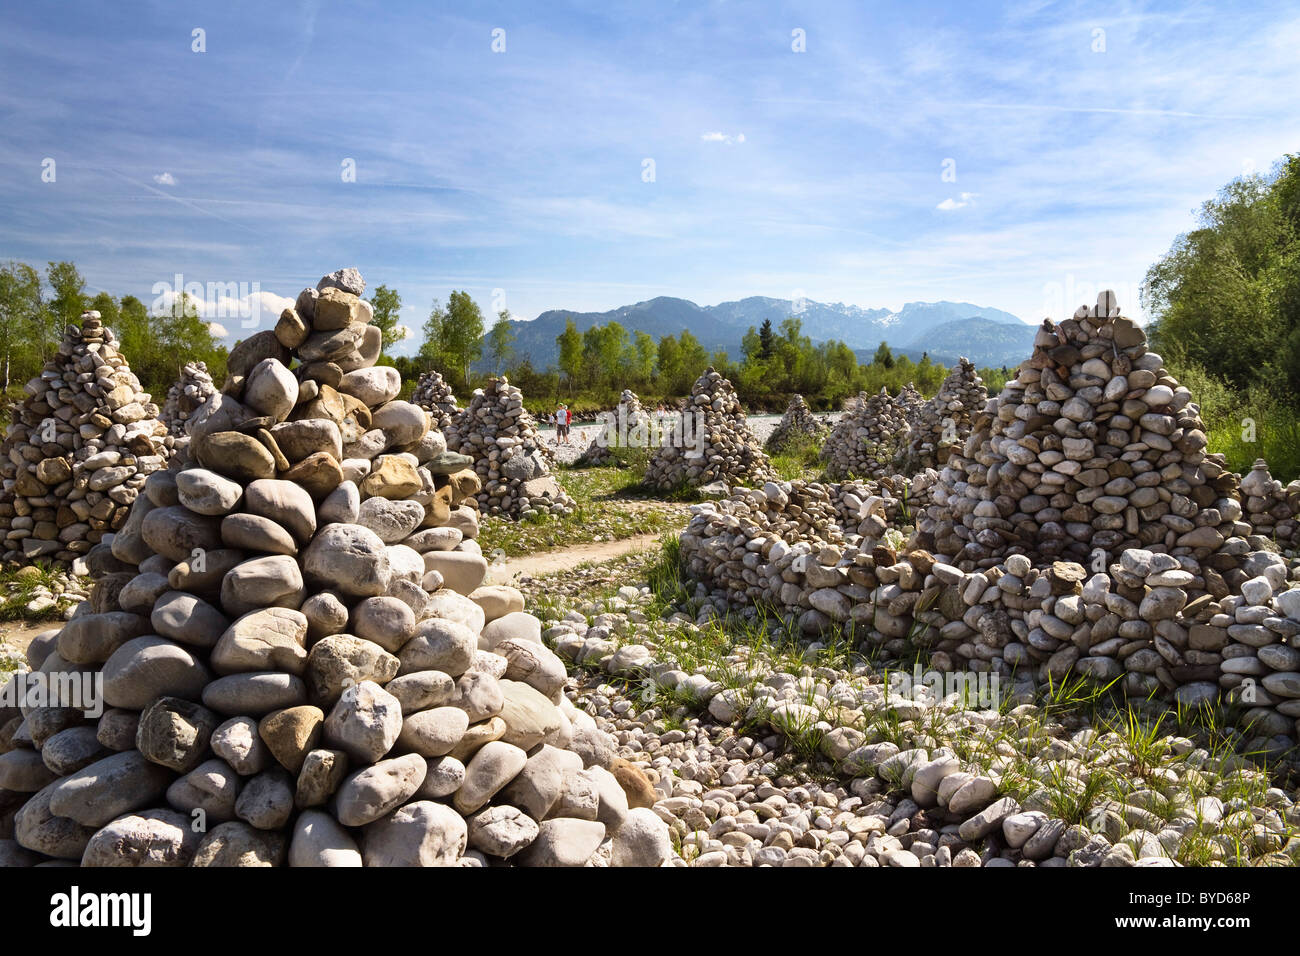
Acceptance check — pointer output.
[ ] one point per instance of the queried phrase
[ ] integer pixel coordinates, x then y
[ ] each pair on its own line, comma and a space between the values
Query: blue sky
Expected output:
1078, 155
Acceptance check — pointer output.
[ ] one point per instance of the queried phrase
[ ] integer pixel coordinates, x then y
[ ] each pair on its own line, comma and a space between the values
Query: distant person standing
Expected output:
562, 425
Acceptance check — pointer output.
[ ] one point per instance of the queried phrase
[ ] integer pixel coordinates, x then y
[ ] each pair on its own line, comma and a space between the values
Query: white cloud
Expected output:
403, 332
165, 179
716, 137
254, 310
950, 204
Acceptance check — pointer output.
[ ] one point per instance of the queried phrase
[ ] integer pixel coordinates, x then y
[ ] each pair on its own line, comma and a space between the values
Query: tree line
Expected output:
1225, 308
595, 365
36, 307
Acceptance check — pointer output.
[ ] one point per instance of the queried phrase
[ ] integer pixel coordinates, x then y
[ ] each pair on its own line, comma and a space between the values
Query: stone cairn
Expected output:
710, 443
1098, 541
78, 449
496, 432
1093, 446
184, 398
944, 422
433, 394
797, 426
869, 437
295, 649
1271, 509
628, 421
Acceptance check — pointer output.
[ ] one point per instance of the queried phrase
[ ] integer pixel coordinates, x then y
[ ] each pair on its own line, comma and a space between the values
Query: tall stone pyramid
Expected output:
296, 658
1092, 447
711, 442
78, 449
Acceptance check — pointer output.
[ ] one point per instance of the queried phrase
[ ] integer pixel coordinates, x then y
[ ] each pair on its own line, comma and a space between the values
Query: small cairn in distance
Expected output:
186, 396
498, 434
627, 426
433, 394
797, 426
944, 422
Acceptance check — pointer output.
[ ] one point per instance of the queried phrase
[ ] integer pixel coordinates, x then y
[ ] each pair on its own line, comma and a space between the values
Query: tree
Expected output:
462, 333
184, 337
765, 340
643, 365
670, 363
430, 354
694, 359
137, 338
69, 299
499, 341
388, 309
570, 343
107, 307
20, 306
883, 357
1226, 297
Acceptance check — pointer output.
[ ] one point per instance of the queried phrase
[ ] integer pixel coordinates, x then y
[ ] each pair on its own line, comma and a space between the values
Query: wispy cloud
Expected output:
164, 179
961, 202
717, 137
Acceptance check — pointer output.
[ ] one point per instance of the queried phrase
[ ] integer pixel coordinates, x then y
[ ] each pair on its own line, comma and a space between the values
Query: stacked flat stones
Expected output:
1271, 509
910, 401
1093, 446
792, 546
433, 394
498, 435
186, 396
629, 419
307, 670
78, 449
713, 442
870, 437
797, 426
944, 422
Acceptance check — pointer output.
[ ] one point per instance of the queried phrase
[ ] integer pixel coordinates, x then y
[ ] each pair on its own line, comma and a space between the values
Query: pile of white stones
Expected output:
300, 663
433, 394
944, 422
1172, 592
496, 433
627, 425
870, 437
78, 449
185, 397
797, 426
709, 443
797, 761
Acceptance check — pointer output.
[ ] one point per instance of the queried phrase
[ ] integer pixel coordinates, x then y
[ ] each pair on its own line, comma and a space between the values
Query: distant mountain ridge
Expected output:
945, 330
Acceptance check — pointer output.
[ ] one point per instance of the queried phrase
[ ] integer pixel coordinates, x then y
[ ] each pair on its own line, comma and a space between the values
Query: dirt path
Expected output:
562, 559
20, 633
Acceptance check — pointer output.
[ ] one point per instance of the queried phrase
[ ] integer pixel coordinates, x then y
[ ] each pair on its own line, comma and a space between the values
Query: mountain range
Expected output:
946, 330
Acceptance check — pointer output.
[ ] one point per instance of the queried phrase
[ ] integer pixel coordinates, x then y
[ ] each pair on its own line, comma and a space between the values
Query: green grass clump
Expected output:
798, 458
609, 502
18, 586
